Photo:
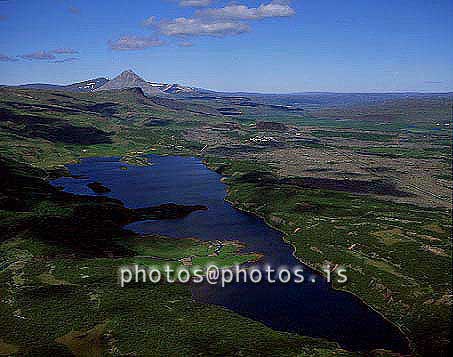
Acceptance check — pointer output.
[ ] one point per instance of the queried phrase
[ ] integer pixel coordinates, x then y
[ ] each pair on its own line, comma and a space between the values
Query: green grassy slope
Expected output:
49, 128
398, 257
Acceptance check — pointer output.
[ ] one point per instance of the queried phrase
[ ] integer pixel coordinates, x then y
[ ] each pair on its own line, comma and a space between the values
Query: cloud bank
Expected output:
233, 19
228, 20
183, 26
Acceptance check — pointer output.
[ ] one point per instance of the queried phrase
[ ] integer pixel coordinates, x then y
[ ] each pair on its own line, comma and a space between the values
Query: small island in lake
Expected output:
98, 188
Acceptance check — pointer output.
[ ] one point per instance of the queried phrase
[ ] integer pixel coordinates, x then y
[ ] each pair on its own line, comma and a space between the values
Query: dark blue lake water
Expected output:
311, 309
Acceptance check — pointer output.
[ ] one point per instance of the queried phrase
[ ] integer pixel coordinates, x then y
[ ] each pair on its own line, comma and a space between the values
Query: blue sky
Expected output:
266, 46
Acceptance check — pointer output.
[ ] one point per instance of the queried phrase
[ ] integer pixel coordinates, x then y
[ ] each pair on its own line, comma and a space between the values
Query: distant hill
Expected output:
129, 79
85, 86
326, 99
39, 86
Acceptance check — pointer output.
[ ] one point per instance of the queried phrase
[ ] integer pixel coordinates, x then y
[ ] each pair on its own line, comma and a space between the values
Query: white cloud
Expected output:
229, 20
134, 43
39, 55
200, 27
242, 12
194, 3
50, 55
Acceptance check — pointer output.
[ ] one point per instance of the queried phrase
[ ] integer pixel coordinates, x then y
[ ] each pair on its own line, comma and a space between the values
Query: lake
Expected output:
311, 309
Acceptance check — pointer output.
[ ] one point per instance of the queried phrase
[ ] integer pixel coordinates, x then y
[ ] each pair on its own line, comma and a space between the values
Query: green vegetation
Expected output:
59, 253
51, 128
352, 135
428, 153
70, 306
159, 251
59, 256
398, 257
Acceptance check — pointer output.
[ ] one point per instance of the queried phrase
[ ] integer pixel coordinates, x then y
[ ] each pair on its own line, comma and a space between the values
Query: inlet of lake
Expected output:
310, 309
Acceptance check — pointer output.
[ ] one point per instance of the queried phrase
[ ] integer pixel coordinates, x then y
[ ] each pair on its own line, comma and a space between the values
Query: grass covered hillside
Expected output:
48, 128
398, 256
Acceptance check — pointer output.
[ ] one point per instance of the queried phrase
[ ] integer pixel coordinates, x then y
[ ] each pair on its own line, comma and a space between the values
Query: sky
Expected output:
273, 46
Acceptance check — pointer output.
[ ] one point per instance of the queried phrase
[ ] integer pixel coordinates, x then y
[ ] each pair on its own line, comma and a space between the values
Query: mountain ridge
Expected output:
126, 79
129, 79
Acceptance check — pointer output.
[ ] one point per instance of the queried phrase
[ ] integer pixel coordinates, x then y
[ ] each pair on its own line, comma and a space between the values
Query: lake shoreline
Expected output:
293, 253
320, 272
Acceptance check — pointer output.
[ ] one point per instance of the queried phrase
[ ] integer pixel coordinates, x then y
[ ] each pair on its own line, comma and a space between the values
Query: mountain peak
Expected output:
129, 71
129, 79
130, 74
